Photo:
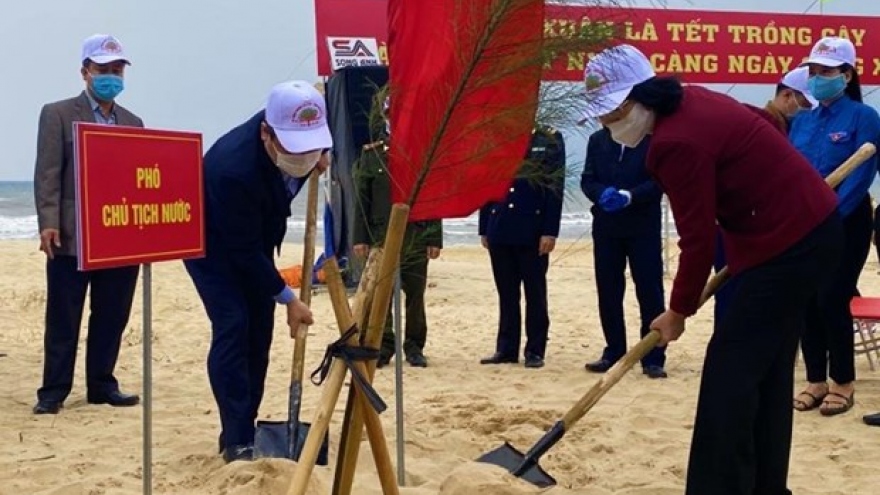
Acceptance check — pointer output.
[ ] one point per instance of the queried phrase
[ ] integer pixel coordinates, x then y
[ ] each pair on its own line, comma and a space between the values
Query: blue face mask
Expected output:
825, 88
106, 87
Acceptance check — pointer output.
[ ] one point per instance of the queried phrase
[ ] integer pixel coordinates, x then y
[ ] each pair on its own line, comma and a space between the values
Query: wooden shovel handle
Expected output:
640, 350
305, 291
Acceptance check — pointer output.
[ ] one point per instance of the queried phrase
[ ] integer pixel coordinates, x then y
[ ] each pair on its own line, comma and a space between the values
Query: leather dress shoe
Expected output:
238, 453
115, 399
47, 407
534, 361
499, 358
653, 371
417, 360
600, 366
383, 361
872, 419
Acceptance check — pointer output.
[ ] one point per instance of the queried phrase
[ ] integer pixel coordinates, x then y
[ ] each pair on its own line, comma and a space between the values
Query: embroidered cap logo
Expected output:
306, 115
111, 46
594, 80
825, 49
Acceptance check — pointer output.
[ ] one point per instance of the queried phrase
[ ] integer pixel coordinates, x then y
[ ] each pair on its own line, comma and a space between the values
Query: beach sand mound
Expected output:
261, 477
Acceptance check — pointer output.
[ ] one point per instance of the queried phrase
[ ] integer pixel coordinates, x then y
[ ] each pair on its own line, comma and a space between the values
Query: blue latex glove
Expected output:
614, 200
605, 198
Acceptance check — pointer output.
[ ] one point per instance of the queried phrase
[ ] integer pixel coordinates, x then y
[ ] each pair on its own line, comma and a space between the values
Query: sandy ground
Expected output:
634, 442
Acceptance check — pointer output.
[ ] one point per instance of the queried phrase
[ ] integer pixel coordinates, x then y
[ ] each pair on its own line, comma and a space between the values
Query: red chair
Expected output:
866, 318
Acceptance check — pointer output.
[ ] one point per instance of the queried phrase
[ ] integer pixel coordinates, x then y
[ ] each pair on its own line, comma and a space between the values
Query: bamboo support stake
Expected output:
375, 432
336, 377
353, 424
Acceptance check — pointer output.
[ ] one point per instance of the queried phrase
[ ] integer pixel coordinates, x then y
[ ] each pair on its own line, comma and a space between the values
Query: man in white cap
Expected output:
103, 64
792, 96
721, 163
251, 175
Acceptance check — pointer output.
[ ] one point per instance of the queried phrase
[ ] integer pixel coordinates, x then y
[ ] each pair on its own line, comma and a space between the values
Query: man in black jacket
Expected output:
626, 227
520, 232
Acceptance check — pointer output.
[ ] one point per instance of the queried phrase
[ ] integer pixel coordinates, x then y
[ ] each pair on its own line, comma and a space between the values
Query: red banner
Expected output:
138, 195
701, 46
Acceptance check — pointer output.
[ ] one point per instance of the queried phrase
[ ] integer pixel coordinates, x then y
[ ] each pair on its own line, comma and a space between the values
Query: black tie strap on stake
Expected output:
349, 355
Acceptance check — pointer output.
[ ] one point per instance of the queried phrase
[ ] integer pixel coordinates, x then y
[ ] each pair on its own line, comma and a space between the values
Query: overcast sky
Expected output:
199, 65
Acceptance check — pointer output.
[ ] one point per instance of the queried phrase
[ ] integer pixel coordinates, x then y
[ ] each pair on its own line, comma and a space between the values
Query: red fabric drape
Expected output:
432, 44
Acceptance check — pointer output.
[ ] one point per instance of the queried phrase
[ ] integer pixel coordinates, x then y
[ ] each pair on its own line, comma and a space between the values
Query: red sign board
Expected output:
139, 195
701, 46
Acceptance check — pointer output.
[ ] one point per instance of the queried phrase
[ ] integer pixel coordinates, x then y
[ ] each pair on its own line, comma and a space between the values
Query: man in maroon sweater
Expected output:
717, 160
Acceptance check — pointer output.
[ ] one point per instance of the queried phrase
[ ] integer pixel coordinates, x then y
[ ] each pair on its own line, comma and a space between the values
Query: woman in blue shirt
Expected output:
827, 136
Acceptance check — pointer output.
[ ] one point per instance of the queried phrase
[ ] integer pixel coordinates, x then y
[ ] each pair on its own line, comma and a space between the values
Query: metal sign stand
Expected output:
148, 380
398, 381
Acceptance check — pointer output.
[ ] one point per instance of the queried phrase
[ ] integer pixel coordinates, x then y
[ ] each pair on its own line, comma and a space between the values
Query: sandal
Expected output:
834, 407
800, 405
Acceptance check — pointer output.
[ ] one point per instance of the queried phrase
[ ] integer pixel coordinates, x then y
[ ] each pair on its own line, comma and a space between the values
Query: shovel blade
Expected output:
272, 440
508, 457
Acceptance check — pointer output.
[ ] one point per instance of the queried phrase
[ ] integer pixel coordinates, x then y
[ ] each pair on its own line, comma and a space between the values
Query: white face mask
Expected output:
630, 130
297, 165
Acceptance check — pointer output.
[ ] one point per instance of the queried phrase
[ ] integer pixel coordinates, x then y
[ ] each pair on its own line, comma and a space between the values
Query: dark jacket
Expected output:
247, 203
610, 164
533, 206
54, 173
372, 206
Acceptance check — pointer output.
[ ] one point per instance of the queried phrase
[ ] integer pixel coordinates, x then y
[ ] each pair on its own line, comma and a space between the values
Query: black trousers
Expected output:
877, 231
645, 256
413, 282
241, 335
512, 267
742, 433
827, 343
111, 295
725, 293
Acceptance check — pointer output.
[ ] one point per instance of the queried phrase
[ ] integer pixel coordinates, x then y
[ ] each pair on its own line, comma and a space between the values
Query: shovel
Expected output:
526, 465
285, 439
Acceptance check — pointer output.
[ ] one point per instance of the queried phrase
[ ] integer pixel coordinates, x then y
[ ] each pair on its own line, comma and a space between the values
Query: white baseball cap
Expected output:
797, 80
103, 49
297, 113
611, 75
832, 51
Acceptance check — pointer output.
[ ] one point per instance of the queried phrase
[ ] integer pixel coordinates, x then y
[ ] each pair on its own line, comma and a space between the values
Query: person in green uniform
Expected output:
422, 242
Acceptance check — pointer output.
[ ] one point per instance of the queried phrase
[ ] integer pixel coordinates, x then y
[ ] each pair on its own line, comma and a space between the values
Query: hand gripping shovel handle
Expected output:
300, 333
640, 350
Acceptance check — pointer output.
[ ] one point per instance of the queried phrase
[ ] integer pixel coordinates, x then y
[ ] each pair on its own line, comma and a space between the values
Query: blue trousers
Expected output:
241, 335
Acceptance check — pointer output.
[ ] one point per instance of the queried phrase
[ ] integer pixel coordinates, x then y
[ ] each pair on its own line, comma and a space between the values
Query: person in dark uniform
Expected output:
520, 233
626, 228
422, 242
111, 290
251, 175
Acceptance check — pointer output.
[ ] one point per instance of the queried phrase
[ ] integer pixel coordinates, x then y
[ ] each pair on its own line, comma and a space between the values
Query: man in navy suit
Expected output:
251, 175
520, 232
626, 227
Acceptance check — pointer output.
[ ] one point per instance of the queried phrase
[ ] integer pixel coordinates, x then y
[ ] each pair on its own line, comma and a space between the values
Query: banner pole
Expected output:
148, 380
